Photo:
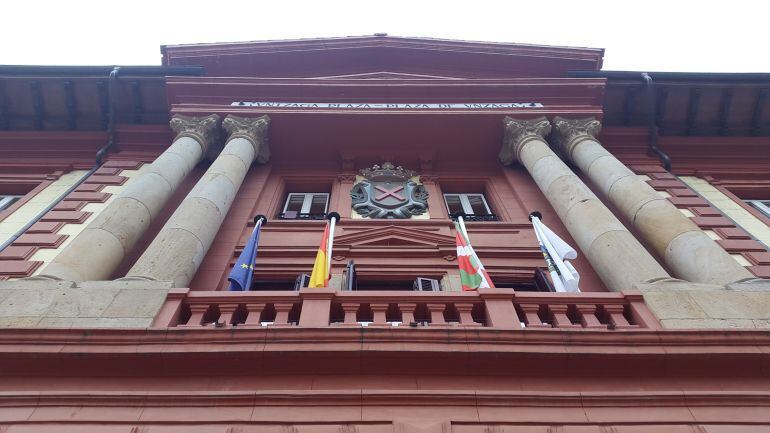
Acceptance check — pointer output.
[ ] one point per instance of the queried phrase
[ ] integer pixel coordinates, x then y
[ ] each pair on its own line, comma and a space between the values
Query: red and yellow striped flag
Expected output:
320, 276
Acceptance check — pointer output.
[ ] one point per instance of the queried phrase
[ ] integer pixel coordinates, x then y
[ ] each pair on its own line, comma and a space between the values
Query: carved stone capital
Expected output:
202, 129
252, 129
570, 132
519, 132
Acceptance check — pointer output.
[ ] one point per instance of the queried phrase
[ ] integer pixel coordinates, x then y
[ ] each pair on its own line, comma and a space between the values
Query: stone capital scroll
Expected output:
253, 129
202, 129
569, 132
519, 132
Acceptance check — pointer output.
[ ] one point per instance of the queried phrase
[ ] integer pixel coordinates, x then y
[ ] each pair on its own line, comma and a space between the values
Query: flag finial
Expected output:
535, 213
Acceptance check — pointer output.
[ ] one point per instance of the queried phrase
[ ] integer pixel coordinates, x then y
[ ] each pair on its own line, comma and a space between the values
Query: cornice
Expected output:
378, 397
721, 341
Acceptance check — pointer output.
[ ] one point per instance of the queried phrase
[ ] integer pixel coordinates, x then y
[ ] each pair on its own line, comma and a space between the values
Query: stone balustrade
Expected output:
490, 308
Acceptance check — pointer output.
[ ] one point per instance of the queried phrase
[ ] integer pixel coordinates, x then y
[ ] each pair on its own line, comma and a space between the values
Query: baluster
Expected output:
560, 319
466, 318
533, 320
350, 309
588, 316
407, 312
617, 320
198, 311
437, 314
255, 313
378, 313
282, 310
226, 314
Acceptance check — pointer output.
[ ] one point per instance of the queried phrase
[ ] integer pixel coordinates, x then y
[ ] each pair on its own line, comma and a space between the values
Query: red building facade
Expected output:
120, 229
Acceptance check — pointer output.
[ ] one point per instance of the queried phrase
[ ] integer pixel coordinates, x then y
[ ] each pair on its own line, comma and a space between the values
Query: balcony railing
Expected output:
301, 216
474, 217
490, 308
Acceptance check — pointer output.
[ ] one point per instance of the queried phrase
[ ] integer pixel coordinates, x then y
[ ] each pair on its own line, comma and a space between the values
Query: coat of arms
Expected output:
388, 192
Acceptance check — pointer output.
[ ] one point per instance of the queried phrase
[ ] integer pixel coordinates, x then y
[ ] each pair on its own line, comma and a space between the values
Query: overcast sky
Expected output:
702, 36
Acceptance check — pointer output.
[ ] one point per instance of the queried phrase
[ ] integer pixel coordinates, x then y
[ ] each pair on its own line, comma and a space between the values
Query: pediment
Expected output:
365, 56
392, 236
386, 75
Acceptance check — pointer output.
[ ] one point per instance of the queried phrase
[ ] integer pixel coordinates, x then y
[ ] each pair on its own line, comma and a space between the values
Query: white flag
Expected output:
565, 277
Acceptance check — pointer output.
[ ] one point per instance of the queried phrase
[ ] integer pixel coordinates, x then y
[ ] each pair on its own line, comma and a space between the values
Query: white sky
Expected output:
702, 36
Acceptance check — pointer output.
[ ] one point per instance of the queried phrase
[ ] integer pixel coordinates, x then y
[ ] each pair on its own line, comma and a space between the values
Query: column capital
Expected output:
519, 132
570, 132
202, 129
253, 129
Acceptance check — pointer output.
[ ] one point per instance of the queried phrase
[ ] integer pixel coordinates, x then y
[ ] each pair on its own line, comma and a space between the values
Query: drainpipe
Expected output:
652, 110
100, 154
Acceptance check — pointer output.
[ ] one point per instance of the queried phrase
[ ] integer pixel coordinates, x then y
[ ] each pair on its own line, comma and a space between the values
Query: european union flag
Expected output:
242, 273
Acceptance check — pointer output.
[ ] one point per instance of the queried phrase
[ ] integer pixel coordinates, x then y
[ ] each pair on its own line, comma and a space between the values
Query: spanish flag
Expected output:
320, 275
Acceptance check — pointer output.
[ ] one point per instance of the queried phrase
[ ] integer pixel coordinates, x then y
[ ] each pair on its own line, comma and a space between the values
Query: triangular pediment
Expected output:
393, 236
385, 75
367, 56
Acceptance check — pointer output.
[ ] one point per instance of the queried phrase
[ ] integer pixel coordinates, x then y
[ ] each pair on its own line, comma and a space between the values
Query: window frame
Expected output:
465, 204
307, 201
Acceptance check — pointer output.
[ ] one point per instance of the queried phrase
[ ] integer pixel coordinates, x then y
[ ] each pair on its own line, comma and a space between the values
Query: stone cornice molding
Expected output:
519, 132
568, 133
202, 129
253, 129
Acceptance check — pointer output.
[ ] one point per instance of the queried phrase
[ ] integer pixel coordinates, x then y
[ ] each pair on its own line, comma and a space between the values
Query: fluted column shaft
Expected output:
96, 252
618, 258
179, 248
686, 249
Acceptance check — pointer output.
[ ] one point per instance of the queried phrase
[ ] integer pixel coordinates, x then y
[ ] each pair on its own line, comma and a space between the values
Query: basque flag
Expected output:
241, 276
472, 273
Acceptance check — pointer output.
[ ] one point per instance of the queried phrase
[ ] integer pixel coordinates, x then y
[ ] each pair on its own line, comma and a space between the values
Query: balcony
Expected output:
488, 308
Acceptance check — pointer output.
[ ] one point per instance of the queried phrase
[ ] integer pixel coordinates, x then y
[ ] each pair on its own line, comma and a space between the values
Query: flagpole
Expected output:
259, 221
333, 217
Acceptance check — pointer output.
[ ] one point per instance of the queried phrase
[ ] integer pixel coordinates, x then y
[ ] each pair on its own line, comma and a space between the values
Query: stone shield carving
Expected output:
388, 192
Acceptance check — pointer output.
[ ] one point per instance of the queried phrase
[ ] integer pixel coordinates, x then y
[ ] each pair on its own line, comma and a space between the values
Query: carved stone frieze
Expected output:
253, 129
519, 132
569, 132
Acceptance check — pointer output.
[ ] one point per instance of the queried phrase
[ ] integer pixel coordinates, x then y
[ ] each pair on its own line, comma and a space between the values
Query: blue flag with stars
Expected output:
242, 273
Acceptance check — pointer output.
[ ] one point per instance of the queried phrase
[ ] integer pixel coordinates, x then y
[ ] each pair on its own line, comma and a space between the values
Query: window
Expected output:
760, 205
7, 201
307, 205
473, 207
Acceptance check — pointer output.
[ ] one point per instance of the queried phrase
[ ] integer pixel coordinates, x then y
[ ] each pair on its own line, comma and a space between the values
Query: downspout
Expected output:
652, 111
100, 154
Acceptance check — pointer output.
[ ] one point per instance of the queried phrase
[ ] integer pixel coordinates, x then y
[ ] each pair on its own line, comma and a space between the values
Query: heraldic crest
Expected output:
388, 192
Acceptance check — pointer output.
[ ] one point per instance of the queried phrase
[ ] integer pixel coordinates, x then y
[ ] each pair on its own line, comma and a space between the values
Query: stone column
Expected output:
686, 249
98, 250
618, 258
180, 246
